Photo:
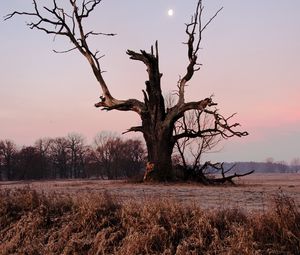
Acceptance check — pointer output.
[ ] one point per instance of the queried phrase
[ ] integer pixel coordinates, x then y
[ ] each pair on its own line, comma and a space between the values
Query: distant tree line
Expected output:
109, 157
269, 166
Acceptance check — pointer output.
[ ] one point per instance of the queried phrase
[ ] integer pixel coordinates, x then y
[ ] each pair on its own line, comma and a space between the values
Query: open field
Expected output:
253, 192
258, 216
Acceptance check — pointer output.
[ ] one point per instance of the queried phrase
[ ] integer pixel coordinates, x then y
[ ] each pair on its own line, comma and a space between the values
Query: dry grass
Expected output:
253, 193
37, 223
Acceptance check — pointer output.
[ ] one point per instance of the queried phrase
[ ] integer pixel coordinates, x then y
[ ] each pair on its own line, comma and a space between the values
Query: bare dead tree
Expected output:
157, 122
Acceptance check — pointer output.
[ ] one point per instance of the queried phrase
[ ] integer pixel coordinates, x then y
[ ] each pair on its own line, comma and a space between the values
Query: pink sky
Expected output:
250, 63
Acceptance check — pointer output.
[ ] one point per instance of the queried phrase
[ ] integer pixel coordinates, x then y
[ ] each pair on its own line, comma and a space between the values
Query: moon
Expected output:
170, 12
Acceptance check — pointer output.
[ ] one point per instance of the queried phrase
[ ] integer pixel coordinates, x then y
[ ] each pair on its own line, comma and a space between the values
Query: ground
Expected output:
251, 192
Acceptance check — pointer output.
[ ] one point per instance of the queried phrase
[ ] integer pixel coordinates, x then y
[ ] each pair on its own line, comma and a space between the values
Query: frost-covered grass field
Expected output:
252, 192
260, 215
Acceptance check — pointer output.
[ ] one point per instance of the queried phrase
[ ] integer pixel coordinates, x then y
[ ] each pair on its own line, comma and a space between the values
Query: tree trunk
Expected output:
159, 148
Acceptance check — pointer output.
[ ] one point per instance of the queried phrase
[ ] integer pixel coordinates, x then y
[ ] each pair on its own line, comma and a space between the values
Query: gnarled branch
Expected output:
57, 21
153, 99
194, 30
220, 126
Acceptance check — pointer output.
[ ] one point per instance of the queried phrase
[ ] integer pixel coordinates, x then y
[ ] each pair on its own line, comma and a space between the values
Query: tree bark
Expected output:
157, 129
159, 151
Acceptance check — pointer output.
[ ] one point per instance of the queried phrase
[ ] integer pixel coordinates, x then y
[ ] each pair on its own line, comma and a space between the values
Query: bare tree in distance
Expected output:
157, 121
8, 150
60, 156
43, 146
77, 147
30, 164
295, 165
117, 158
104, 152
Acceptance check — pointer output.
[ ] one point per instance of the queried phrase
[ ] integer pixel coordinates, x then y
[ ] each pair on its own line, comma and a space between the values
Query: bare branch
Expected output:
11, 15
134, 129
65, 51
124, 105
219, 168
57, 21
86, 9
220, 126
194, 31
94, 33
211, 19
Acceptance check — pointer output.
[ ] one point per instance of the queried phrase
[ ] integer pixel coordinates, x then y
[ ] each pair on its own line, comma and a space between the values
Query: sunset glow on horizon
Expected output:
250, 63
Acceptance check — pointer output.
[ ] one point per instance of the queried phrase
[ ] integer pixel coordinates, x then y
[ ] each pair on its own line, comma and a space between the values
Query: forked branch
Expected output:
57, 21
194, 30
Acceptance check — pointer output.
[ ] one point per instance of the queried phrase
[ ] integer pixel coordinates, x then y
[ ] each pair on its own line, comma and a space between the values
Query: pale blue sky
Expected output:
250, 63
